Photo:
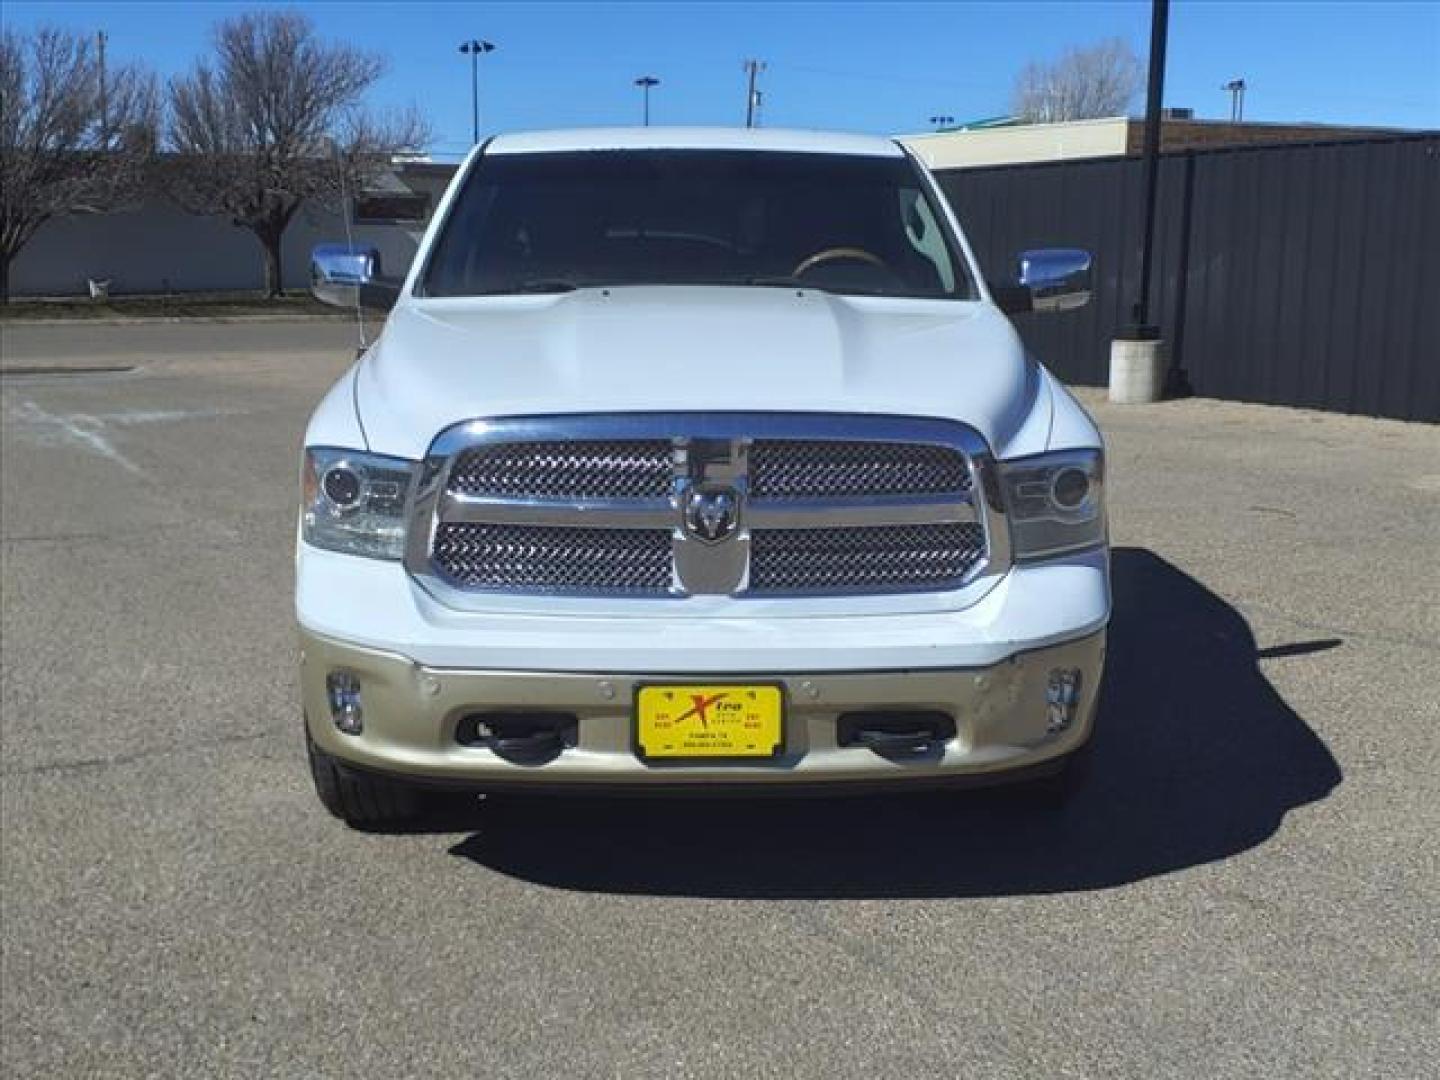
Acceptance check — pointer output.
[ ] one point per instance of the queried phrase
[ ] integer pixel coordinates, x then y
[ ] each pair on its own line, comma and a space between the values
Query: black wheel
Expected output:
356, 798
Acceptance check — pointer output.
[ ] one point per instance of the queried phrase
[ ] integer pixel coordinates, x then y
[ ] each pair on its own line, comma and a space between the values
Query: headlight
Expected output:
1056, 502
354, 502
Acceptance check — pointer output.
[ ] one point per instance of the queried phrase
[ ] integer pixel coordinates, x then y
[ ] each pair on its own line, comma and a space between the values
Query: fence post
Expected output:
1178, 379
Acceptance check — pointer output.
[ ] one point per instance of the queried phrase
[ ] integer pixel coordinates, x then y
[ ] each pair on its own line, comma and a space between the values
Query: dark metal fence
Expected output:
1293, 275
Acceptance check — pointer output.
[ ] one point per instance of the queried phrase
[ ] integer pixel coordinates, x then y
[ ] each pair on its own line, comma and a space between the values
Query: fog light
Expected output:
343, 691
1062, 696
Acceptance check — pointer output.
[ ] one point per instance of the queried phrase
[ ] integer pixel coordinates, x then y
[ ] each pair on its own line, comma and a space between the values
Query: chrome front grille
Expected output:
623, 469
525, 558
667, 505
822, 469
870, 559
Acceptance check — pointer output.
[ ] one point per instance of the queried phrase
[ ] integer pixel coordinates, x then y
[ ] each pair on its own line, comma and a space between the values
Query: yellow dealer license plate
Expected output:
707, 721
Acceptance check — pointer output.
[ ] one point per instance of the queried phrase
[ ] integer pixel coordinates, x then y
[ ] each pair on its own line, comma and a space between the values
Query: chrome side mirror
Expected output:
347, 277
1057, 279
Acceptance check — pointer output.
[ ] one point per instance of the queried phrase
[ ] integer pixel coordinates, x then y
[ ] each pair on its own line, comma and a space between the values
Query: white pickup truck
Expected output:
692, 460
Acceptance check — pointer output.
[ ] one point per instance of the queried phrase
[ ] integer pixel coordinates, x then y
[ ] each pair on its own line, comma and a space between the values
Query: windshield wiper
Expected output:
783, 281
787, 281
565, 285
537, 285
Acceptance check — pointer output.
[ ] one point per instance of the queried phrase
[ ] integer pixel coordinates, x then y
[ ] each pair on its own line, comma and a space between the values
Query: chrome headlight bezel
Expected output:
1055, 502
354, 502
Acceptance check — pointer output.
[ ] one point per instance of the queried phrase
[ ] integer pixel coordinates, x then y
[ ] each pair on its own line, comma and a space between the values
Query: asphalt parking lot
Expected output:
1246, 888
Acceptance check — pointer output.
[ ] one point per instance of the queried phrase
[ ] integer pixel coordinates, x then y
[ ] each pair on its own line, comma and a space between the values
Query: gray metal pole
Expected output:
473, 48
1236, 87
645, 82
474, 96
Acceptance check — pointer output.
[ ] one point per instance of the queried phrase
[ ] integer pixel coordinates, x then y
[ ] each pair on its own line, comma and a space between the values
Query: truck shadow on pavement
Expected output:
1197, 758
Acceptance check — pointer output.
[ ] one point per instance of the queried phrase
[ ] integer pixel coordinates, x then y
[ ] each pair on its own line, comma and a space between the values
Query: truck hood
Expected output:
659, 349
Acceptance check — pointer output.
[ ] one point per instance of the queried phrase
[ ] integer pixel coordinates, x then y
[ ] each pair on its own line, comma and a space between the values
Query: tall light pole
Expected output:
1138, 357
645, 82
473, 49
1155, 91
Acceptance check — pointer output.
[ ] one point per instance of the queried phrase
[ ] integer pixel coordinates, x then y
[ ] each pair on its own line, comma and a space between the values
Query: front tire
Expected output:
358, 799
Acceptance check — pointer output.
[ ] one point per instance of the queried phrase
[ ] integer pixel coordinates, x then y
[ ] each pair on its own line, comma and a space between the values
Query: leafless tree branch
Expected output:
276, 121
1082, 84
65, 148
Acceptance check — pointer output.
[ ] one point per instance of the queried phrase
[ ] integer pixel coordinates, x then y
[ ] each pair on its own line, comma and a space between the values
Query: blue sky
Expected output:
875, 67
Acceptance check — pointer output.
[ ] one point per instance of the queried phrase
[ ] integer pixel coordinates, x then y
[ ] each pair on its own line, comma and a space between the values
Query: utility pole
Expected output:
473, 49
1138, 358
1237, 99
753, 68
645, 82
100, 38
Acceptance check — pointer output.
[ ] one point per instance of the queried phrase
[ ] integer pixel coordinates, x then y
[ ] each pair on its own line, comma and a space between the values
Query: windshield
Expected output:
556, 221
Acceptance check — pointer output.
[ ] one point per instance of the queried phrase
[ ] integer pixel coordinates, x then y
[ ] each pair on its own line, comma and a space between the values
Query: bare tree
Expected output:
73, 137
277, 121
1082, 84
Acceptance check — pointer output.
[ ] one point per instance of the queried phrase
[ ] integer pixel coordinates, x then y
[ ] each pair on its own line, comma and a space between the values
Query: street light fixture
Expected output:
942, 122
1236, 89
473, 49
645, 82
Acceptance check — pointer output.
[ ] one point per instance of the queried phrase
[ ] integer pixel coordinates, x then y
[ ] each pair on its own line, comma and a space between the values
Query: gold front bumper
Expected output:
411, 715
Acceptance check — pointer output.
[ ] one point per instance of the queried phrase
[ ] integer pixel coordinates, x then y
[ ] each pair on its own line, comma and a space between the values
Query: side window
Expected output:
923, 233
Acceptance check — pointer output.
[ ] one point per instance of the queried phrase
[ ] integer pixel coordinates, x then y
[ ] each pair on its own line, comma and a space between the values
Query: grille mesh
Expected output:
632, 469
819, 469
874, 558
571, 555
554, 559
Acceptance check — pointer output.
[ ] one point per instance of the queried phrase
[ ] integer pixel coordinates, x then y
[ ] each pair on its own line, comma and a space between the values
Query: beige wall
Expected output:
1011, 145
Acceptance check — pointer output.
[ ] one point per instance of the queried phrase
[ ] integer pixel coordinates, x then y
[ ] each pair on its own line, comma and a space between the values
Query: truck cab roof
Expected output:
693, 138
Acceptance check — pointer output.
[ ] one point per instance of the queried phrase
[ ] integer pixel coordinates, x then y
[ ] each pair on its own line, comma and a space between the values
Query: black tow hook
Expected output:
520, 738
896, 734
893, 742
